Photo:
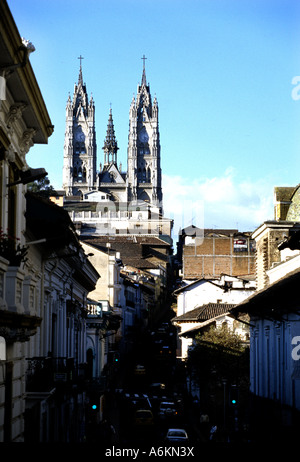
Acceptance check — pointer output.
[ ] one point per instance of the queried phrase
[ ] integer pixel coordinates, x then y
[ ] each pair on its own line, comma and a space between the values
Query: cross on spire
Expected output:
80, 57
144, 58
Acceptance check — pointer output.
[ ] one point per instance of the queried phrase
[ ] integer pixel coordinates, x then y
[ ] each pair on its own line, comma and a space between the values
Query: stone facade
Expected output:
142, 181
144, 171
24, 121
268, 237
271, 234
287, 203
79, 169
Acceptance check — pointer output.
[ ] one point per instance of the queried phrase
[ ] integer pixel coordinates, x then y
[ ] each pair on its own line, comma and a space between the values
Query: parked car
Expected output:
143, 417
139, 369
176, 436
157, 387
167, 409
165, 350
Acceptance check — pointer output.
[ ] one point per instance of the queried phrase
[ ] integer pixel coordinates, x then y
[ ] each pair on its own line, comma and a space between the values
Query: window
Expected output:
2, 349
11, 223
240, 245
1, 182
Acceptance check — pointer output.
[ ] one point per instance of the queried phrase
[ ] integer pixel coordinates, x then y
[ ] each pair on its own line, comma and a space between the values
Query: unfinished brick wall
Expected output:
216, 255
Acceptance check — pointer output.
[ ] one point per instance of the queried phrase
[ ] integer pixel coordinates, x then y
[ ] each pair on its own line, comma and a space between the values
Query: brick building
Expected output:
212, 252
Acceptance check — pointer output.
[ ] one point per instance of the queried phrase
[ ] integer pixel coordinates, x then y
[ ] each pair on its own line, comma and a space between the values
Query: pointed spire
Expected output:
80, 79
144, 82
110, 143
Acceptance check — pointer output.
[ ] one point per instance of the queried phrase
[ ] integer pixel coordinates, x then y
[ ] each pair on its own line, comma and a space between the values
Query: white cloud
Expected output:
219, 202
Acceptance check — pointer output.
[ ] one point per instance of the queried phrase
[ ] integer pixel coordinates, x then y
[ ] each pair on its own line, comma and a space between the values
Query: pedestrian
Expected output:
213, 433
113, 433
204, 425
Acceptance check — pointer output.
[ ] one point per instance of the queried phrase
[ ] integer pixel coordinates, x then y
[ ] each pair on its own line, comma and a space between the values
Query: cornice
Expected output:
13, 43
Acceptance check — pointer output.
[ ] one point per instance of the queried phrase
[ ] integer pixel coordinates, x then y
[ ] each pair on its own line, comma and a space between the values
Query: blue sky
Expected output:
225, 76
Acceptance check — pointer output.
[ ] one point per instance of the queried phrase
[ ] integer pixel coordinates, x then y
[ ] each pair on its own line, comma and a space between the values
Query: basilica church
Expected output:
114, 195
142, 181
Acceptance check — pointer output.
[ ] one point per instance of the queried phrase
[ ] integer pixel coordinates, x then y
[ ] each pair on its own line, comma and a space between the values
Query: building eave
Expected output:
274, 301
21, 82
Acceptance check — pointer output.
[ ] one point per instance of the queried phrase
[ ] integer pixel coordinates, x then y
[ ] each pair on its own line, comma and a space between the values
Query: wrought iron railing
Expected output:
46, 373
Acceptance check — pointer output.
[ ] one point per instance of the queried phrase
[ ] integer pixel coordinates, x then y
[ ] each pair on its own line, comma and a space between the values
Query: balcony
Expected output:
46, 373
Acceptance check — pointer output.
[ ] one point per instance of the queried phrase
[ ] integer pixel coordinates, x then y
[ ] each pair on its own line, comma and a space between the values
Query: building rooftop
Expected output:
204, 312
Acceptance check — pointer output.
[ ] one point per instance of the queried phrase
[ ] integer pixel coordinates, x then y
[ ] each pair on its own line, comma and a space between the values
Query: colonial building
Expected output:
274, 323
45, 277
271, 233
274, 355
268, 236
24, 121
141, 254
57, 278
196, 299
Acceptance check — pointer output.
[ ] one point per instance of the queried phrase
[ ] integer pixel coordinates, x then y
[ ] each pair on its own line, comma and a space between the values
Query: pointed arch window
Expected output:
79, 174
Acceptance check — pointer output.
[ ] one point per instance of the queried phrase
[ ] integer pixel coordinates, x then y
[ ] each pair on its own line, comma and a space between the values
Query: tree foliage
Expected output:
41, 187
218, 354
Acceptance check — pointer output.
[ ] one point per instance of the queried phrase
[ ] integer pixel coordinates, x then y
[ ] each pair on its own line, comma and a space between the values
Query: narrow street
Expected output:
149, 378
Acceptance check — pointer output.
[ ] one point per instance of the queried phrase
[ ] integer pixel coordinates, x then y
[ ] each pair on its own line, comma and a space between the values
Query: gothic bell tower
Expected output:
79, 170
144, 169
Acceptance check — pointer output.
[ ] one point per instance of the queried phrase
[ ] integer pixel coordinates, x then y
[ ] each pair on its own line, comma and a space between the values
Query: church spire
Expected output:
144, 82
80, 149
80, 79
110, 143
143, 153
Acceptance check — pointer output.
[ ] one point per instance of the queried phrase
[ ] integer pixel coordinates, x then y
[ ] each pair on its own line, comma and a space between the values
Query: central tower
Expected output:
144, 170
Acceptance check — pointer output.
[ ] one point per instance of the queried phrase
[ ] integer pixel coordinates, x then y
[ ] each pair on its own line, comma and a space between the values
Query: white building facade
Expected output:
274, 348
226, 290
24, 121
